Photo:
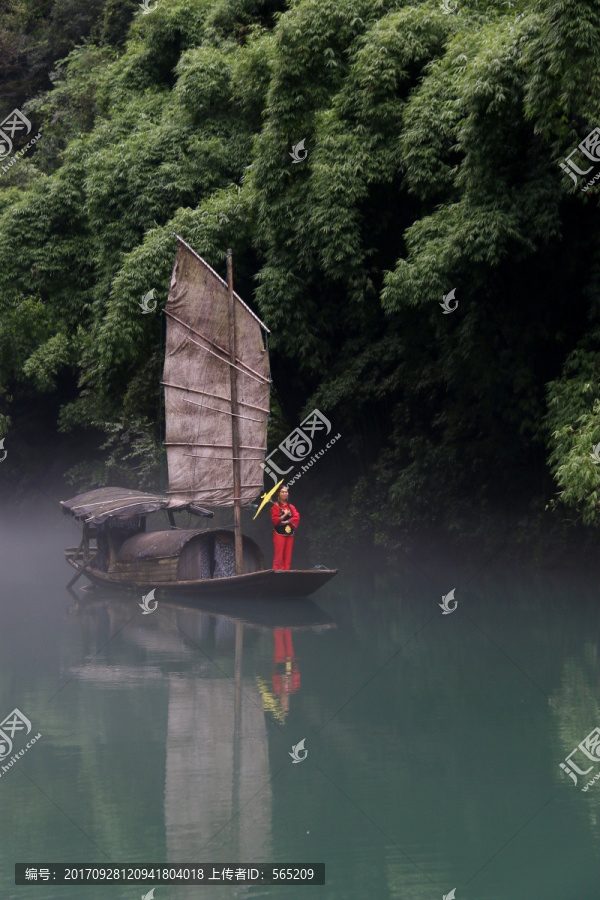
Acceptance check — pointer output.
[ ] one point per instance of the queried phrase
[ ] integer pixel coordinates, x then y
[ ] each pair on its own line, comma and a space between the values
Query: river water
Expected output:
432, 742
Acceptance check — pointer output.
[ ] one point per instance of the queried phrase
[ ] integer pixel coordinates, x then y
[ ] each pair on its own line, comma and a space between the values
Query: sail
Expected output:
196, 380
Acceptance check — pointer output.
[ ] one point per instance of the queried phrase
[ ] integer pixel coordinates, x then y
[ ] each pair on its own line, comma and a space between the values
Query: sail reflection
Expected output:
221, 689
217, 762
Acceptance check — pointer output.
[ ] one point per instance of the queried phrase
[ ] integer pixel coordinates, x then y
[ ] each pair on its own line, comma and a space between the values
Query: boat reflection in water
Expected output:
217, 781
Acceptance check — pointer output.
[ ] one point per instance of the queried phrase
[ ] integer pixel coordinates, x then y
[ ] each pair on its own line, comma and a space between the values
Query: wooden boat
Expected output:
217, 382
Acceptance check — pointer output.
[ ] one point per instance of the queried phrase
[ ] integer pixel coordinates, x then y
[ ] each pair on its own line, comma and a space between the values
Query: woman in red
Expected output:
285, 521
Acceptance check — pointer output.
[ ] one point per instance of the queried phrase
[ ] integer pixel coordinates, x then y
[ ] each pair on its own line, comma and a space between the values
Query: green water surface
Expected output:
434, 741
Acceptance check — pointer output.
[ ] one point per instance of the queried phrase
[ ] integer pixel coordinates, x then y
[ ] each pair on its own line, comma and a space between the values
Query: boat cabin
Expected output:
115, 542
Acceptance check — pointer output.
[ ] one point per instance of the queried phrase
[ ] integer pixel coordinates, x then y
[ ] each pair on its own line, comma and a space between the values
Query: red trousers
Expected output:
282, 551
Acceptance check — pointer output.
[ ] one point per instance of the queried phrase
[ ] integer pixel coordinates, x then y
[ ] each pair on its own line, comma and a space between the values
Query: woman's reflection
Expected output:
286, 676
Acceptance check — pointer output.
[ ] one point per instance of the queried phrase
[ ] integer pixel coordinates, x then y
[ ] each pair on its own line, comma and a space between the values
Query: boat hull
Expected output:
269, 583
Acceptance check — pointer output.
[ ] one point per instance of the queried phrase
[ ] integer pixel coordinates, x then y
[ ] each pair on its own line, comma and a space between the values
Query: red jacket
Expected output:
294, 521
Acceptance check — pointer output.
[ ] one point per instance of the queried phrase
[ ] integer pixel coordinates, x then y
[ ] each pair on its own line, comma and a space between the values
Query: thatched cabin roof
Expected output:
96, 506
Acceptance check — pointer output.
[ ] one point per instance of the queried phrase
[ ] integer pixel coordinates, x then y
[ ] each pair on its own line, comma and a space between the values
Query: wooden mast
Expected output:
235, 437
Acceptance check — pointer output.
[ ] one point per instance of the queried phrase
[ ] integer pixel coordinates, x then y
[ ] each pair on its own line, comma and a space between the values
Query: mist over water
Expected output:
434, 741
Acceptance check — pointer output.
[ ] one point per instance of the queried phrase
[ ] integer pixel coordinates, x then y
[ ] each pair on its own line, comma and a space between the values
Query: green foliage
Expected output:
70, 108
433, 142
46, 361
132, 458
113, 25
573, 422
24, 324
563, 62
34, 34
204, 81
25, 327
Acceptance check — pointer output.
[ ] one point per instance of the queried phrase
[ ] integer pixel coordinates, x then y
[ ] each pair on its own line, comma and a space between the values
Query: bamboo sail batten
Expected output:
199, 341
225, 412
226, 361
181, 387
197, 444
195, 456
220, 349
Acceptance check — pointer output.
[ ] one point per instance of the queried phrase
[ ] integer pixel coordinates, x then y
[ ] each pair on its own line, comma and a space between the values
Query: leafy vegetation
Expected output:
434, 141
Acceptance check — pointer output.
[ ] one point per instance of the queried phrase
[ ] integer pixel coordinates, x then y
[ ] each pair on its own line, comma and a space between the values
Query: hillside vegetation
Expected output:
433, 142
